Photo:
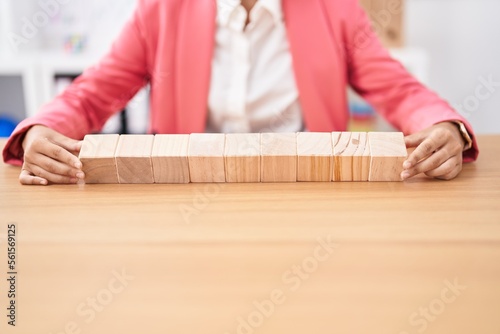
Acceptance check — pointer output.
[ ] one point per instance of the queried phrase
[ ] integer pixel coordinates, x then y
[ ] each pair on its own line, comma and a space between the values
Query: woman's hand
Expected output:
438, 152
50, 157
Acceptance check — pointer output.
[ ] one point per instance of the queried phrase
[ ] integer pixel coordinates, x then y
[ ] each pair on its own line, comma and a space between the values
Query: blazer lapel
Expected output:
195, 43
316, 64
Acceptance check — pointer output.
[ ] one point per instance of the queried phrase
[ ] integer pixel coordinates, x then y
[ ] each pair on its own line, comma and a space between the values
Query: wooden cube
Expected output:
278, 157
352, 156
170, 159
315, 155
206, 157
388, 152
133, 159
98, 158
242, 157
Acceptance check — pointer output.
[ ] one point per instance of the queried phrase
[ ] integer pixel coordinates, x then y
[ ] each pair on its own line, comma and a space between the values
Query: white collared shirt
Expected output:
252, 85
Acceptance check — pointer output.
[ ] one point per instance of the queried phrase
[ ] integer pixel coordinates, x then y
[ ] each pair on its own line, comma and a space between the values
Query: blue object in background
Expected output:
7, 126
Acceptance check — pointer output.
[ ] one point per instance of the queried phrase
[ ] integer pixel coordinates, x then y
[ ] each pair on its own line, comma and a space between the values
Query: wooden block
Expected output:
352, 156
242, 157
170, 159
278, 157
388, 152
133, 159
315, 156
98, 158
206, 157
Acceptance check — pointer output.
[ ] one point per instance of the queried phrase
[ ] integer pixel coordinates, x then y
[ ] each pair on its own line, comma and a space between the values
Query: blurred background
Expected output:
450, 45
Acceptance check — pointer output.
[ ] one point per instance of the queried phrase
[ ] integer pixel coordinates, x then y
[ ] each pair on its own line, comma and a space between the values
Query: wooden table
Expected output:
344, 258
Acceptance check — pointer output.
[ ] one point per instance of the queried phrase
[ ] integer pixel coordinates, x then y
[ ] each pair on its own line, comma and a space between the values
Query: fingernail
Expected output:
43, 182
80, 175
78, 165
406, 164
405, 175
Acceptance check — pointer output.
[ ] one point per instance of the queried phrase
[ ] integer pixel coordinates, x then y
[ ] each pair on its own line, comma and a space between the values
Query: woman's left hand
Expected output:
438, 152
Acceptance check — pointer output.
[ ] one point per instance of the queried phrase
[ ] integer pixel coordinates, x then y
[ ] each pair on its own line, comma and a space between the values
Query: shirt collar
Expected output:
273, 7
226, 8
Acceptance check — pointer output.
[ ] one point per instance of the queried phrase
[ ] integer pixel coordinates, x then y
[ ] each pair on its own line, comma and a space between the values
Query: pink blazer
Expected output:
170, 44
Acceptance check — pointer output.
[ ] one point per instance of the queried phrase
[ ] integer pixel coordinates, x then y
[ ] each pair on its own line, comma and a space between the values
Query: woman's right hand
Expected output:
50, 157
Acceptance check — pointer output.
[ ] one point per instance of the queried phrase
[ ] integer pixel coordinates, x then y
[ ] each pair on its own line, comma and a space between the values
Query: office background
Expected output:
452, 45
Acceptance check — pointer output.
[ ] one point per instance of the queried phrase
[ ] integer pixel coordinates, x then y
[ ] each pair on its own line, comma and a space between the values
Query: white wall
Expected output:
462, 38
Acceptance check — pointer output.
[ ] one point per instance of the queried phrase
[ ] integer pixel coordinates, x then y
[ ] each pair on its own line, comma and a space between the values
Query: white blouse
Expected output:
252, 85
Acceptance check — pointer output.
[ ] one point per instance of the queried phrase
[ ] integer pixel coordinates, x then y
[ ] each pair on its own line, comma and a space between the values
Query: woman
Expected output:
254, 66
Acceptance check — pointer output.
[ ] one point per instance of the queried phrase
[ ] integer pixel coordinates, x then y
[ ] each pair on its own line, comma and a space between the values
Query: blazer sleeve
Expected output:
387, 85
96, 95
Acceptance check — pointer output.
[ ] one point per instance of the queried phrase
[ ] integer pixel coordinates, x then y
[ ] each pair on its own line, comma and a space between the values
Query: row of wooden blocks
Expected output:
253, 157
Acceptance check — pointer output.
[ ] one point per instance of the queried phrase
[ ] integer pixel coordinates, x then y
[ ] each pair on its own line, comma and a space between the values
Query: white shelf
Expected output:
99, 20
38, 73
51, 64
26, 70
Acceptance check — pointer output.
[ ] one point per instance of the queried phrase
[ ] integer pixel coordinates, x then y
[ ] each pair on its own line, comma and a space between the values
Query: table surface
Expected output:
402, 257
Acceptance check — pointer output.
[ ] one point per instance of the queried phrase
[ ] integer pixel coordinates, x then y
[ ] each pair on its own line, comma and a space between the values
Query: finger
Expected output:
67, 143
415, 139
450, 176
423, 150
448, 170
78, 146
78, 149
432, 162
27, 178
56, 152
56, 167
50, 177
